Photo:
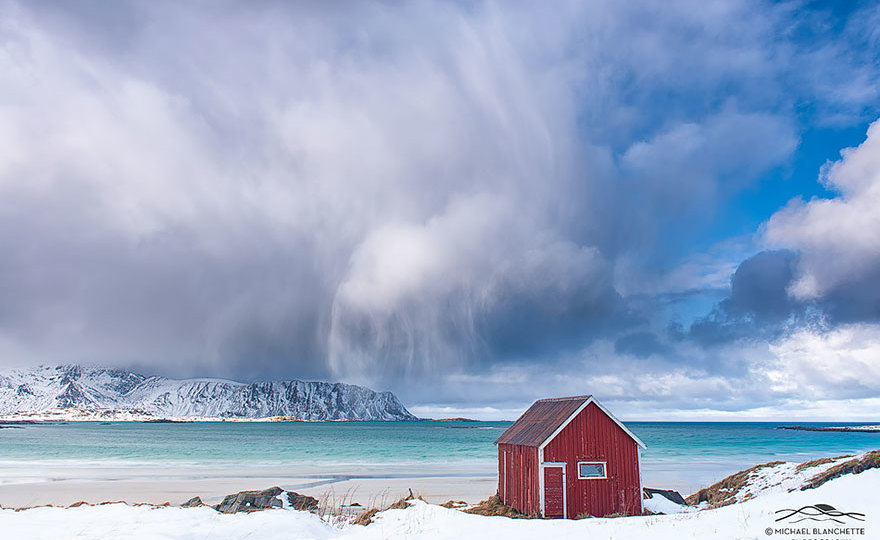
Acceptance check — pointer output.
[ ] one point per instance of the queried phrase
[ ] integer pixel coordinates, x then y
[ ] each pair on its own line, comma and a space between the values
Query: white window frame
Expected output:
604, 465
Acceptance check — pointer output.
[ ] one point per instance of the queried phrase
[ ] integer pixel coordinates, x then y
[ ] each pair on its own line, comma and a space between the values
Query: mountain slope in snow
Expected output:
44, 388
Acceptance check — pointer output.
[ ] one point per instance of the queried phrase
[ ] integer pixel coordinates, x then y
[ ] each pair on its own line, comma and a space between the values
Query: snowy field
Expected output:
749, 519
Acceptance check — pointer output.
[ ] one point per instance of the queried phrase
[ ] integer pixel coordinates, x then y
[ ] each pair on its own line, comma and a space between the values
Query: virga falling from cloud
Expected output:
427, 193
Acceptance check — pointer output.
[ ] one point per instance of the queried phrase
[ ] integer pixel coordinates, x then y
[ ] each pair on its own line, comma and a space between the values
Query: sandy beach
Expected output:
62, 484
23, 487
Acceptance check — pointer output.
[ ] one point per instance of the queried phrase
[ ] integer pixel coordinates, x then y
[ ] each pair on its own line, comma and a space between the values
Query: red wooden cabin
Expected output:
569, 456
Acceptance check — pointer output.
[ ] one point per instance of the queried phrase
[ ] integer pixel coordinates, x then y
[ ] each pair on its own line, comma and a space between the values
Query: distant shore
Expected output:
849, 429
77, 414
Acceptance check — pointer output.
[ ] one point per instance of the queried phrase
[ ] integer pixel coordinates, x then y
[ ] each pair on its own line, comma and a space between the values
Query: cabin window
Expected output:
591, 470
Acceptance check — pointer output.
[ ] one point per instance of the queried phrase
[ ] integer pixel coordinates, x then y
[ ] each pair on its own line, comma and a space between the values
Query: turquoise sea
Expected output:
680, 455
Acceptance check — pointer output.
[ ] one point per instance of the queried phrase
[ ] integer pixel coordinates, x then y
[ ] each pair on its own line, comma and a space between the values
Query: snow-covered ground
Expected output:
752, 518
785, 477
659, 504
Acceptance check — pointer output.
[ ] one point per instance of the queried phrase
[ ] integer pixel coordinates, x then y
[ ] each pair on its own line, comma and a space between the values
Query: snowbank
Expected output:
658, 504
776, 477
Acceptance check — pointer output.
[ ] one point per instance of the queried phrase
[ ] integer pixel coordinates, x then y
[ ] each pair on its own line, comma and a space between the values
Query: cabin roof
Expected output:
546, 418
541, 420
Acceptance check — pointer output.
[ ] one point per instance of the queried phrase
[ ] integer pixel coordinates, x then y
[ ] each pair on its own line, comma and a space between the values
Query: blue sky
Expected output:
471, 204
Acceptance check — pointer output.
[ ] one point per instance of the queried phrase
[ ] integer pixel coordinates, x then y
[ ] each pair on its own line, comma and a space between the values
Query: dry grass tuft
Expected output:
493, 507
724, 492
454, 504
30, 507
817, 462
871, 460
399, 504
331, 505
366, 518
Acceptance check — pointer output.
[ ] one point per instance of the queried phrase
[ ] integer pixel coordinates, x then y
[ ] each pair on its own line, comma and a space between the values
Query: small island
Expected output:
853, 429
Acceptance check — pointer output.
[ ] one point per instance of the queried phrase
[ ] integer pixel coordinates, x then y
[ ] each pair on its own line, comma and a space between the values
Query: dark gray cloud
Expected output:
433, 198
831, 269
641, 344
759, 287
759, 305
855, 301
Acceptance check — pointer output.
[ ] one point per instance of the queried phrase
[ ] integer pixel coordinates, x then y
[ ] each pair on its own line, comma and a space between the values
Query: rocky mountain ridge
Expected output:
42, 388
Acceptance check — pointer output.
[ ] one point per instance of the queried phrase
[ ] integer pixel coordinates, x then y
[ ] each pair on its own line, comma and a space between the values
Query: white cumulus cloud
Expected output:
837, 237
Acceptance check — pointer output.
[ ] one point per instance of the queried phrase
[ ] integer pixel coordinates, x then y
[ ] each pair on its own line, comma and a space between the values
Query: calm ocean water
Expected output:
681, 455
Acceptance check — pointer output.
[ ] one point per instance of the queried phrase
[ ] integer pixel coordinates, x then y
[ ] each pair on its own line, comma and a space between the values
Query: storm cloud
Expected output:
439, 199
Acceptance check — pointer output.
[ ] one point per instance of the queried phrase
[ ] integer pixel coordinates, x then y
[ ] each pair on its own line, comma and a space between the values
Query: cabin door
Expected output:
554, 490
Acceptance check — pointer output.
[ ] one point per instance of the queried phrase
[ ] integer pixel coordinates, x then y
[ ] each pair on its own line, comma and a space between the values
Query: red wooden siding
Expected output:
593, 436
518, 477
553, 487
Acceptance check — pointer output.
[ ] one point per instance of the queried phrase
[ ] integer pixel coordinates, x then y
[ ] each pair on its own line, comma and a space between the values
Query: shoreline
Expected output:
342, 492
35, 483
63, 482
840, 429
75, 414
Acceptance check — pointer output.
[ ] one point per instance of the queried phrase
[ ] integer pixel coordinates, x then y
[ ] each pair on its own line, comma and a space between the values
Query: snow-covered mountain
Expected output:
44, 388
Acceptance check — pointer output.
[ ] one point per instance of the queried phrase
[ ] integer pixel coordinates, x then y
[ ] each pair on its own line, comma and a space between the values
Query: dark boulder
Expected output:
192, 503
301, 502
251, 501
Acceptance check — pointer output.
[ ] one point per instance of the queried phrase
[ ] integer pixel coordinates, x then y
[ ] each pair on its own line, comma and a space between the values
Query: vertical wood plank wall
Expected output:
518, 477
593, 436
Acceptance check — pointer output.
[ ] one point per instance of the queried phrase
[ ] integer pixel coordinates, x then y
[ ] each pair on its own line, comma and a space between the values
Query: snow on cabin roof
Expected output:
546, 417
